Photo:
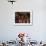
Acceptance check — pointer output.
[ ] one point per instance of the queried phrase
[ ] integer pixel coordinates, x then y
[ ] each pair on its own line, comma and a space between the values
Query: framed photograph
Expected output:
23, 17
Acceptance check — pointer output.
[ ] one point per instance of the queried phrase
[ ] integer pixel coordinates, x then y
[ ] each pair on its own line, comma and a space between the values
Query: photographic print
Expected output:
23, 18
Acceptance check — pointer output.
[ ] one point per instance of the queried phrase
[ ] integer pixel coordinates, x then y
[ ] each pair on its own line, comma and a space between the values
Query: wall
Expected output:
9, 31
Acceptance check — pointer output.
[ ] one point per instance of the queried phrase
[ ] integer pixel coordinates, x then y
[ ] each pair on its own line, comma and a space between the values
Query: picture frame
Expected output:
23, 17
